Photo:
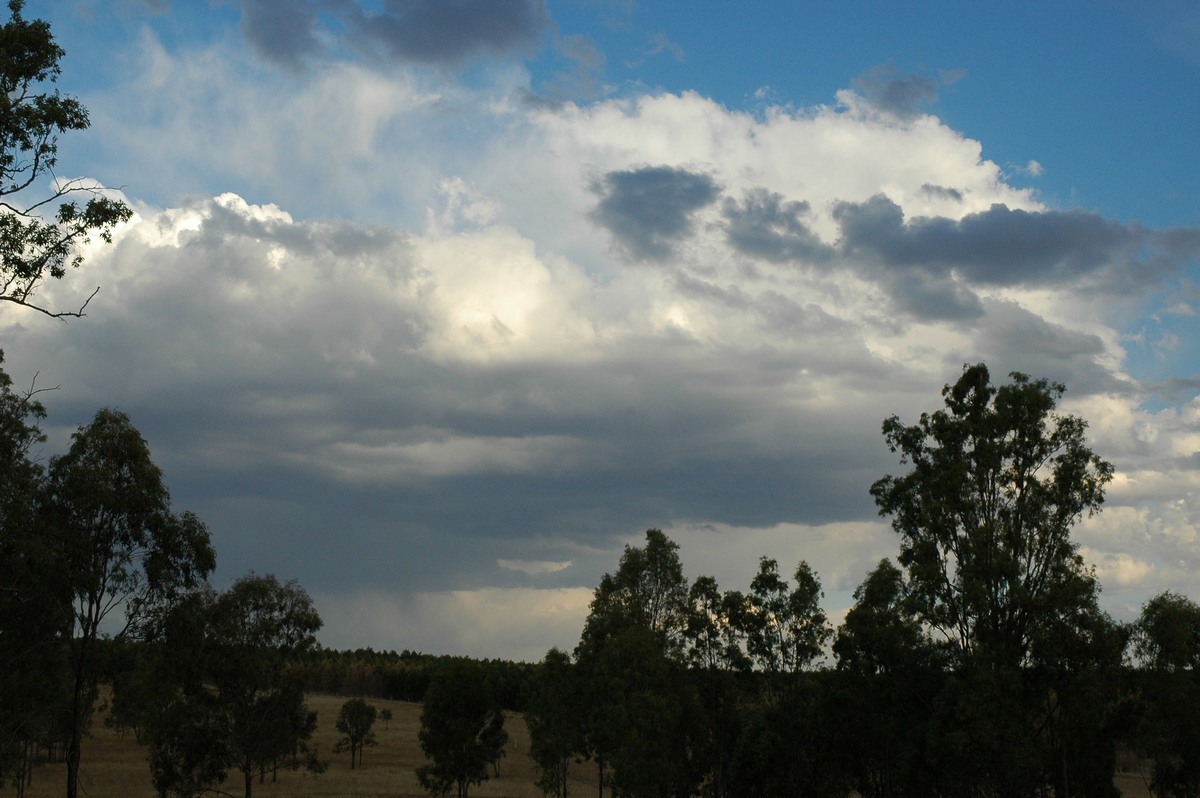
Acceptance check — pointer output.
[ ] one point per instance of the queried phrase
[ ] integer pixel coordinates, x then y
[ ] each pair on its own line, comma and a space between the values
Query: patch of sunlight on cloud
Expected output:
534, 567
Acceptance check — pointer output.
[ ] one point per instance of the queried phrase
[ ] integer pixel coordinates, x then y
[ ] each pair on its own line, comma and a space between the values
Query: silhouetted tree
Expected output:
225, 666
458, 729
555, 716
1167, 642
123, 553
885, 664
985, 513
34, 605
997, 481
354, 721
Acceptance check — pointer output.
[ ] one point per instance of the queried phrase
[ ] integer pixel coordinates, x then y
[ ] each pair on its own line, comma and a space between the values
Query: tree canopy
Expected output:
121, 548
41, 227
461, 730
228, 699
997, 481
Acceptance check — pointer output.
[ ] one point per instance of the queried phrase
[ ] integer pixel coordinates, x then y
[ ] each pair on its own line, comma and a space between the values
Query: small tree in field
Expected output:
230, 700
354, 721
385, 715
461, 730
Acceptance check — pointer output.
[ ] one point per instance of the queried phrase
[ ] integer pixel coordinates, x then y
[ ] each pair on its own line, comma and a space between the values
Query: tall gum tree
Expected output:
125, 556
997, 481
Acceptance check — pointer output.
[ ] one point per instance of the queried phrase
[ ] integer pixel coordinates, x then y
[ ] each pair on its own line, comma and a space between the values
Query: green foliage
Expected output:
1167, 640
120, 549
984, 515
1167, 635
648, 591
354, 721
881, 633
785, 627
555, 716
225, 665
33, 606
461, 729
886, 666
39, 235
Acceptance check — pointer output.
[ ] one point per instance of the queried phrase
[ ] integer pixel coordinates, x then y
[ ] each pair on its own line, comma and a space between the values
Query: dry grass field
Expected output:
115, 766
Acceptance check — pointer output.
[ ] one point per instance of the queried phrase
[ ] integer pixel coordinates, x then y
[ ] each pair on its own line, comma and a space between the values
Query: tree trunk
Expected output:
78, 719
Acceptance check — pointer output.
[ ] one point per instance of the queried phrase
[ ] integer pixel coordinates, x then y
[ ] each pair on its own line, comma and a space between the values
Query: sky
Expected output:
435, 305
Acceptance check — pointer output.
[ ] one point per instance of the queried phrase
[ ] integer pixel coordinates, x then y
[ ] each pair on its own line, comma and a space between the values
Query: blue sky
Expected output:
436, 305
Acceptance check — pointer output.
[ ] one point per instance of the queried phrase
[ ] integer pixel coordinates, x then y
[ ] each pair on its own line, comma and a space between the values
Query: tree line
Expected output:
977, 663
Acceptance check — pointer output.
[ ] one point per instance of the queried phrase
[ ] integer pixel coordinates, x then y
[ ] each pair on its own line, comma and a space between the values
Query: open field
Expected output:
115, 765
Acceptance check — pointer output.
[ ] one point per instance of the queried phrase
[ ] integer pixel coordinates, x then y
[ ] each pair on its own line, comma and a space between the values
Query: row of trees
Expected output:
978, 665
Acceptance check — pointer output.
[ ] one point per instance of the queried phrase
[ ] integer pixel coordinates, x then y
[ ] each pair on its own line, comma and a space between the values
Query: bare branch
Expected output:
61, 314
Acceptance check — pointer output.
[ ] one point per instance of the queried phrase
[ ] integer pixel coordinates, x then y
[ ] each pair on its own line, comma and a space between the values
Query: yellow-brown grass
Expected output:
115, 765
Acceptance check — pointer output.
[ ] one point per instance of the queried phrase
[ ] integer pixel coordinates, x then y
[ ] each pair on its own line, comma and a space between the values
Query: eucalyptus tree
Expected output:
355, 721
229, 700
784, 627
631, 665
124, 555
555, 716
33, 608
461, 729
997, 481
886, 670
1167, 643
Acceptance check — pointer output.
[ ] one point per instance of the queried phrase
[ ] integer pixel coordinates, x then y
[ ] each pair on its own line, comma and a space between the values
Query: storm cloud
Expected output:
439, 33
650, 208
765, 225
1004, 247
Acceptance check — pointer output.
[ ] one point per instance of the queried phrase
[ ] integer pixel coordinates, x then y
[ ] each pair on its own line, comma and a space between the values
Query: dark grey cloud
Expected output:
448, 33
1178, 389
901, 94
941, 192
764, 225
650, 208
1012, 338
1002, 246
281, 31
930, 297
440, 33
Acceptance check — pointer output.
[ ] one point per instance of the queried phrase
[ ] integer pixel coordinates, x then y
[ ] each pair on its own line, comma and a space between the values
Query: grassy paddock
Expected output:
115, 765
